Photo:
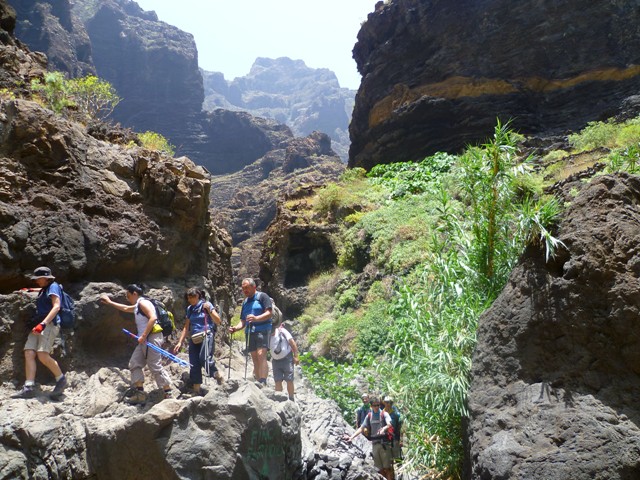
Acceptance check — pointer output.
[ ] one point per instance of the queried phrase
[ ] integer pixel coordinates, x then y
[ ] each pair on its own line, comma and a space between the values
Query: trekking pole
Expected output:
230, 351
162, 352
246, 351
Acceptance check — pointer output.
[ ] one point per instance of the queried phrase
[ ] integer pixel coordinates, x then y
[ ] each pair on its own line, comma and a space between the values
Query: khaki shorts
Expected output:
382, 456
43, 342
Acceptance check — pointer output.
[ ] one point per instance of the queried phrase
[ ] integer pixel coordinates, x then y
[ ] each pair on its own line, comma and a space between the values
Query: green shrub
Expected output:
155, 141
53, 92
93, 97
595, 135
83, 98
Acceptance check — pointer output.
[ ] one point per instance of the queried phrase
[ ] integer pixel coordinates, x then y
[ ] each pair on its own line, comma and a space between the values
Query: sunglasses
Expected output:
375, 404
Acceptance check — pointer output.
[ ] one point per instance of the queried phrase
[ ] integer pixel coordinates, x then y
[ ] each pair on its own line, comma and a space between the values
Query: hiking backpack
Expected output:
388, 435
67, 309
276, 315
164, 316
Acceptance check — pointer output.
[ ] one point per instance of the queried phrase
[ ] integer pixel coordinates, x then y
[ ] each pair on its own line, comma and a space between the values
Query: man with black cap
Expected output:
41, 338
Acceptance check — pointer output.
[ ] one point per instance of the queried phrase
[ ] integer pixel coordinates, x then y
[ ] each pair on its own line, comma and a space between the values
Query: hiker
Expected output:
201, 323
256, 315
42, 336
362, 410
375, 426
396, 422
284, 354
144, 314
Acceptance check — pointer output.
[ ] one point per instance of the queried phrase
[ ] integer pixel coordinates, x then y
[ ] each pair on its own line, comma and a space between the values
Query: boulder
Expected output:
555, 373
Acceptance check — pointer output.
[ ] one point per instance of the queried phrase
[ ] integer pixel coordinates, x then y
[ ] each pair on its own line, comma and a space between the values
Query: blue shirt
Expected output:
256, 305
44, 303
197, 314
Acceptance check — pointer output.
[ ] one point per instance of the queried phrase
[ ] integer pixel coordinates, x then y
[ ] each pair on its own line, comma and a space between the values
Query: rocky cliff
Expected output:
245, 201
305, 99
51, 28
154, 68
555, 376
437, 73
103, 212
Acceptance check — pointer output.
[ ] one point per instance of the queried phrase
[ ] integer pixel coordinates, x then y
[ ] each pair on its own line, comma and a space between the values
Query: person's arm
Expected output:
238, 326
294, 349
104, 298
387, 420
183, 335
149, 311
264, 300
55, 308
213, 315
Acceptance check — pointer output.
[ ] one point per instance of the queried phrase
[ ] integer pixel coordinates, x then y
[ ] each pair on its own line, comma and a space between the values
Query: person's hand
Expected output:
346, 438
38, 328
177, 347
104, 298
232, 330
142, 339
251, 318
296, 359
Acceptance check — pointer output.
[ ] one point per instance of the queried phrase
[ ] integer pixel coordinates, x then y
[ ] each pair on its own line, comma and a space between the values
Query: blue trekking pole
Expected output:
162, 352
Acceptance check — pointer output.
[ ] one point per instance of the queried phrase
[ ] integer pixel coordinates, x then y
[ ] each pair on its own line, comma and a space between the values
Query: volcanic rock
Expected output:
436, 74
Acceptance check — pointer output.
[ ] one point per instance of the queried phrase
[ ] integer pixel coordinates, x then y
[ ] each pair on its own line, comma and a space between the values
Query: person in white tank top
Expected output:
148, 331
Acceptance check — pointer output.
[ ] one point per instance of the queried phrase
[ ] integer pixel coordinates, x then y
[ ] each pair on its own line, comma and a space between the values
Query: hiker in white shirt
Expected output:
284, 354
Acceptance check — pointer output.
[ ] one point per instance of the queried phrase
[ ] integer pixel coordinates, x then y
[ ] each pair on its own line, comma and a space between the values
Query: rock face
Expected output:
555, 376
51, 28
437, 73
245, 201
305, 99
154, 68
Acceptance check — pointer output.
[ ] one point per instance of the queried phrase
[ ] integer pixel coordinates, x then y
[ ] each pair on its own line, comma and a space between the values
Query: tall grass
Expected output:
479, 211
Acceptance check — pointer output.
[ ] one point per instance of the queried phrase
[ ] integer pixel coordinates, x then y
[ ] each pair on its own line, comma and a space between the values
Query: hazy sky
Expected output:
231, 34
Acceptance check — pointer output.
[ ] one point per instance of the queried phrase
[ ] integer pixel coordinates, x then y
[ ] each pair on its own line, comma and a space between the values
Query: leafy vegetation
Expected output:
444, 235
83, 99
155, 141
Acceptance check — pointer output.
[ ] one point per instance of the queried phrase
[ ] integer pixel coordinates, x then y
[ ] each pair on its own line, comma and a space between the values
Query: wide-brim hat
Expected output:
42, 272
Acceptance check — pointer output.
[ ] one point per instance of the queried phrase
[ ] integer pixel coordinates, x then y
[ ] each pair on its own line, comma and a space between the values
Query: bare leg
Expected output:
30, 364
290, 389
279, 386
50, 363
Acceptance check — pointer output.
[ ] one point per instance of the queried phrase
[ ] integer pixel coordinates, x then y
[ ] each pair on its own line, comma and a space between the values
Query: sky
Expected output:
231, 34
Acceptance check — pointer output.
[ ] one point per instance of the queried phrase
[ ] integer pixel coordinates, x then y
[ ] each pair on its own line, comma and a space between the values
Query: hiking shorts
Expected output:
283, 368
43, 342
259, 340
382, 456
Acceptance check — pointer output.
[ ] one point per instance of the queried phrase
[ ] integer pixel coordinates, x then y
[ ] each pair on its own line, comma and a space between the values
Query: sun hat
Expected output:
42, 272
388, 399
365, 395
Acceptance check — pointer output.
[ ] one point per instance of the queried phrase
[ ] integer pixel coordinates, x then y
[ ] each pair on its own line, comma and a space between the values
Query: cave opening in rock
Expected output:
307, 256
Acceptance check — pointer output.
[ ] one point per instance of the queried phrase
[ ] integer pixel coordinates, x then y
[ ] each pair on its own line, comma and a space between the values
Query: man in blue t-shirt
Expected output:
255, 317
41, 338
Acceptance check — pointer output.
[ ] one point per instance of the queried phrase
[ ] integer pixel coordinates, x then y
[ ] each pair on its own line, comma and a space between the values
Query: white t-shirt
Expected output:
280, 338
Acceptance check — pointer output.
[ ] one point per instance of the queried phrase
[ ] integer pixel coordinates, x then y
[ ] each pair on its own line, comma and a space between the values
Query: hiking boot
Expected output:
60, 386
219, 378
138, 398
26, 392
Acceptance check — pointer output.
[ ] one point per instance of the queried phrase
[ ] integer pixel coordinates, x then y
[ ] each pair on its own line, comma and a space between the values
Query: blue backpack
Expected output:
67, 310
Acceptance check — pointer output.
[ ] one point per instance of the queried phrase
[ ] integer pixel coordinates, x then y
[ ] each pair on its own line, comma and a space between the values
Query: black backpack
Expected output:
164, 316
